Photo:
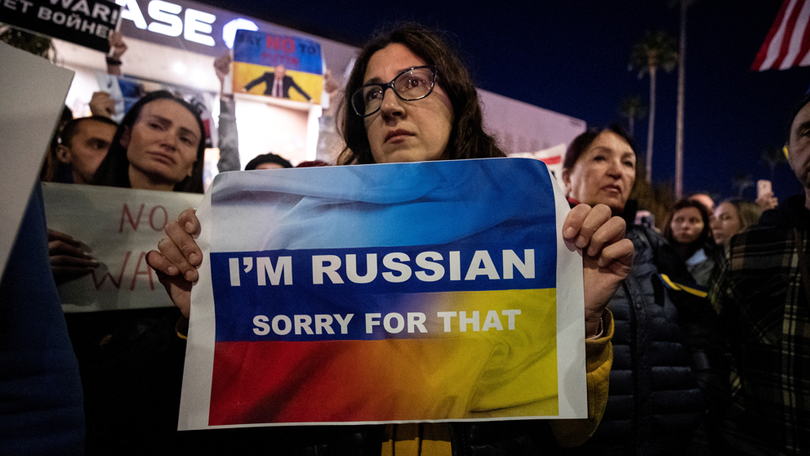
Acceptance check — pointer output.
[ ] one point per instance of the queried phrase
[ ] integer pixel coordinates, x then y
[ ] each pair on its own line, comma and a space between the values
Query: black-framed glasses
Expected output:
412, 84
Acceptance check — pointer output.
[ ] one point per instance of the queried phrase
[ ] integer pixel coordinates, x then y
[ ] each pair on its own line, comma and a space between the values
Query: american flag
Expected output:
788, 41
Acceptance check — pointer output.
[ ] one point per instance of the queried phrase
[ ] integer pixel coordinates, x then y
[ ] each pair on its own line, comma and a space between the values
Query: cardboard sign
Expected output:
33, 96
84, 22
437, 291
118, 226
260, 58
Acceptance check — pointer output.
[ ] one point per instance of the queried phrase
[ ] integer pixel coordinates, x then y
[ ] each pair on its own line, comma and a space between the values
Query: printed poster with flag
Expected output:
278, 66
788, 42
438, 291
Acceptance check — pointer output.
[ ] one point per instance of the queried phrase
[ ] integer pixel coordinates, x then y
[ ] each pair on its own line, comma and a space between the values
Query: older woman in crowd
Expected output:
664, 344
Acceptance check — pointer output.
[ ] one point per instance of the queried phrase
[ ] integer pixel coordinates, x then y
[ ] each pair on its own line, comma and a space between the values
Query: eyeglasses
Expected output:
412, 84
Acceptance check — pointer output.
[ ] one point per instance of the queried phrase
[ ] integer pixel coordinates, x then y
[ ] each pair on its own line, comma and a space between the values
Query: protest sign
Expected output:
117, 226
279, 66
33, 96
437, 291
84, 22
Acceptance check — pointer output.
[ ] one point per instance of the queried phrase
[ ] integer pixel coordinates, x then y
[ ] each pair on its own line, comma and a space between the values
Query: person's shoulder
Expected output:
792, 213
759, 240
653, 237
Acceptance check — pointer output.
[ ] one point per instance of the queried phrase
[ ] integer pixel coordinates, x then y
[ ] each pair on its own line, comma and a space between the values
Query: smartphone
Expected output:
763, 188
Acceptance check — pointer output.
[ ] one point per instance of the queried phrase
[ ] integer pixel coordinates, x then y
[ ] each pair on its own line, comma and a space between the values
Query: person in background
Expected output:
667, 352
83, 144
51, 171
704, 199
688, 230
267, 161
101, 105
436, 117
731, 217
763, 295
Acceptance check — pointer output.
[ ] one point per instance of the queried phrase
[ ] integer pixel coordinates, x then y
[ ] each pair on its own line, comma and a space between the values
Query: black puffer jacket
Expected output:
667, 365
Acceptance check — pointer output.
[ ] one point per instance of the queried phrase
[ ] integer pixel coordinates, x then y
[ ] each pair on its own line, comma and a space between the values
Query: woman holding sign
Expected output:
432, 113
666, 341
128, 358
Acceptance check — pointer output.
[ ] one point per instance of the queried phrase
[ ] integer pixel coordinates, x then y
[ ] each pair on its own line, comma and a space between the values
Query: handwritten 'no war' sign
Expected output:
404, 292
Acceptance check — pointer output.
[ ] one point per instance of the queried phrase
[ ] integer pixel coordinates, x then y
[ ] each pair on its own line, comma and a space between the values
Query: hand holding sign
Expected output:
68, 260
607, 256
178, 259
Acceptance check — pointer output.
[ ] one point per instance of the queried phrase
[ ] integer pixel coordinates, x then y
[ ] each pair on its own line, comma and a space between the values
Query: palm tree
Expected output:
773, 157
632, 108
656, 50
681, 88
740, 181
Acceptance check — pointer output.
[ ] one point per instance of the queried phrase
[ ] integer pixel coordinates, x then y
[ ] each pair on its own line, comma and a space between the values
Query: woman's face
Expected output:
162, 143
406, 131
604, 173
686, 225
725, 222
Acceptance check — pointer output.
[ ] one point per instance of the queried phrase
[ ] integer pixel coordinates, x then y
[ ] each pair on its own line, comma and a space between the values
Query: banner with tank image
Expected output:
437, 291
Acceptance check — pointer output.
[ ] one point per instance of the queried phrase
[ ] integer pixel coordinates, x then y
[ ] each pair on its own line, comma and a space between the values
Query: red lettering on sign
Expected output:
134, 222
272, 42
152, 218
115, 283
288, 44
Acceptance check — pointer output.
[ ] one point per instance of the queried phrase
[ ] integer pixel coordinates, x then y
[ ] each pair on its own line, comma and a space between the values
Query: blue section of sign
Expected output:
366, 280
268, 50
375, 239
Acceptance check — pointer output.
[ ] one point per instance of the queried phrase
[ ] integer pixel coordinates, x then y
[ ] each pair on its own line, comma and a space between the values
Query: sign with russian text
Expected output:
437, 291
279, 66
84, 22
117, 226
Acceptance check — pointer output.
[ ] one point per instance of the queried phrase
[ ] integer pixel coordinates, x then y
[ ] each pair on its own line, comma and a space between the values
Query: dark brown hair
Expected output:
467, 136
704, 240
71, 129
581, 143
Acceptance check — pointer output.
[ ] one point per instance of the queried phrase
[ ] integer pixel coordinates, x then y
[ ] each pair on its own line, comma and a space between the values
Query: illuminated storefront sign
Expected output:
185, 25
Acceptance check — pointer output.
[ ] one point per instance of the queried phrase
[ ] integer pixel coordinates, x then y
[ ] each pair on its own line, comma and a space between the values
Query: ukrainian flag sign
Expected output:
437, 291
286, 67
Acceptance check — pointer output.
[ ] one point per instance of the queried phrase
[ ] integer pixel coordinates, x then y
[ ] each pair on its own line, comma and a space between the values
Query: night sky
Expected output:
572, 57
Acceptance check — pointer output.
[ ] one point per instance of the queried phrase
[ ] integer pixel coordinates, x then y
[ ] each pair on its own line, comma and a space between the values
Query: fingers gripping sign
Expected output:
177, 259
607, 256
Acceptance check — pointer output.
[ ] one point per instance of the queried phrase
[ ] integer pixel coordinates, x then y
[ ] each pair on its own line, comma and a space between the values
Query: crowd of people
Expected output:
696, 333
